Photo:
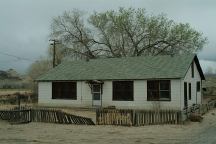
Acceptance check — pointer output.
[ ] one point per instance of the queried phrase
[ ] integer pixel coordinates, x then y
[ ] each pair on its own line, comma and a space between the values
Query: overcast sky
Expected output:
25, 24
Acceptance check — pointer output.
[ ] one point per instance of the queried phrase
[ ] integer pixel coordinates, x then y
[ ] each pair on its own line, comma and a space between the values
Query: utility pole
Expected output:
54, 42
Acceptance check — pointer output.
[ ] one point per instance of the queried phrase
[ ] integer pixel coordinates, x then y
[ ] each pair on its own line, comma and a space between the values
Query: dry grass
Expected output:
206, 99
4, 92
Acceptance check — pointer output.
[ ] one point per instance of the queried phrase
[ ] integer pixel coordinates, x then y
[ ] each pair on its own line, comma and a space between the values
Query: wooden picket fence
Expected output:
16, 116
157, 117
25, 115
136, 117
58, 116
114, 117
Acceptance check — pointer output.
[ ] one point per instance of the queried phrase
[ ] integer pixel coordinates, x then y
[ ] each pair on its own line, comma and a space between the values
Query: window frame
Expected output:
60, 90
96, 92
127, 91
158, 91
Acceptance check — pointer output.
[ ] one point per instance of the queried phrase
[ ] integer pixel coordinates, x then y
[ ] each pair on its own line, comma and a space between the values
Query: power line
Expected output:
17, 57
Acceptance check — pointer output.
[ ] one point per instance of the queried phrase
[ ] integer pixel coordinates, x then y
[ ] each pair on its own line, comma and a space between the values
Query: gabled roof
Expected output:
143, 67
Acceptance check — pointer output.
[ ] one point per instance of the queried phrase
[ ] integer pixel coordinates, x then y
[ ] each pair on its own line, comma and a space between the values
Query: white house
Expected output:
146, 82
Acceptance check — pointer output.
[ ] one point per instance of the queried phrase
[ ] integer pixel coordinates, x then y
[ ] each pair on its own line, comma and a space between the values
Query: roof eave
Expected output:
111, 79
199, 68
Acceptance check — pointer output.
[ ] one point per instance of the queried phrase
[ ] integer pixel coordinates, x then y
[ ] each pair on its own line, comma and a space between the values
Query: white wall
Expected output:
140, 97
45, 96
196, 97
84, 96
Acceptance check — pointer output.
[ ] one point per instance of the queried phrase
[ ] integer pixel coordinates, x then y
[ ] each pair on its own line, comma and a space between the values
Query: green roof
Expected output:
143, 67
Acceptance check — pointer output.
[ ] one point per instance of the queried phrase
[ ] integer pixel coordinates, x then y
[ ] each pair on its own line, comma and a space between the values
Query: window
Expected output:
64, 90
158, 90
198, 86
189, 91
123, 90
192, 69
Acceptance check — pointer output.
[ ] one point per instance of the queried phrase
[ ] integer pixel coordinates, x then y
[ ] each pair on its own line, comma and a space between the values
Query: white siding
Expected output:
196, 97
140, 97
44, 92
45, 96
84, 96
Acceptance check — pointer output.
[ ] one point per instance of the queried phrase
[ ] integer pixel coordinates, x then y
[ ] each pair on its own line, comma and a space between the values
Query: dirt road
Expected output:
207, 133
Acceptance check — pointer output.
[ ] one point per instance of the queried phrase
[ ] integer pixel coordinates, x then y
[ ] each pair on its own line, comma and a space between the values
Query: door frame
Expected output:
98, 102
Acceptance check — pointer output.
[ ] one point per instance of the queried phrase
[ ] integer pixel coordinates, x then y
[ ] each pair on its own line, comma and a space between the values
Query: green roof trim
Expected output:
128, 68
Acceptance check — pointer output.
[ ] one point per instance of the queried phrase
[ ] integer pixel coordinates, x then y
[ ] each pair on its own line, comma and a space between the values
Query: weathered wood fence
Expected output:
136, 117
58, 116
114, 117
105, 116
43, 115
16, 116
157, 117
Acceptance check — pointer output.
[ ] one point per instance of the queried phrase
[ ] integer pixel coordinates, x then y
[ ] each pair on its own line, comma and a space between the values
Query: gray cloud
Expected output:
25, 24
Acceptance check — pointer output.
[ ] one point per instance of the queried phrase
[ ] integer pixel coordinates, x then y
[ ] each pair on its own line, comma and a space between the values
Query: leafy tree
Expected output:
126, 32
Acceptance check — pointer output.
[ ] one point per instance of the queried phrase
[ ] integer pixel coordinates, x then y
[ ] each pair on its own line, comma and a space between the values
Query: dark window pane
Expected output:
153, 95
185, 95
164, 95
165, 85
96, 96
198, 86
189, 91
123, 90
153, 90
64, 90
153, 85
96, 88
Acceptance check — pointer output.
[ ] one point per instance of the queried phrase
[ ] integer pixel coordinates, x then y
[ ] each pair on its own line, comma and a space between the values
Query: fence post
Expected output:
133, 117
30, 115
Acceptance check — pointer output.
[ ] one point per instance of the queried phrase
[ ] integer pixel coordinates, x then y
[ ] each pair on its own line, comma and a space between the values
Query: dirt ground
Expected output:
45, 133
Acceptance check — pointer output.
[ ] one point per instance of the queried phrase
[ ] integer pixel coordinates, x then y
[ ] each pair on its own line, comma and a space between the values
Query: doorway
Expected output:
96, 95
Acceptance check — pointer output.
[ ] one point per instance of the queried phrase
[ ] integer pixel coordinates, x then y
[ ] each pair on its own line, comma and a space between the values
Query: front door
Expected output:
96, 95
185, 95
